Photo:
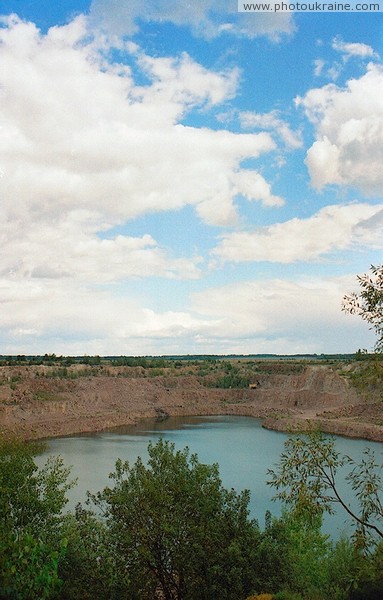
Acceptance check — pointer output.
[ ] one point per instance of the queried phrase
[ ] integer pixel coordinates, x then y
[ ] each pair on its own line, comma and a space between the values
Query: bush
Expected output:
31, 541
232, 380
176, 531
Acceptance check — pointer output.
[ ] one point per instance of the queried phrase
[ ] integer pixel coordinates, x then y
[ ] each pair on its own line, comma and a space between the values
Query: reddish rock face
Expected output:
35, 404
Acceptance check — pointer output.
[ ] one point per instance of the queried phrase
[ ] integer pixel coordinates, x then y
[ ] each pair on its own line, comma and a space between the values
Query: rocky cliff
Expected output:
38, 402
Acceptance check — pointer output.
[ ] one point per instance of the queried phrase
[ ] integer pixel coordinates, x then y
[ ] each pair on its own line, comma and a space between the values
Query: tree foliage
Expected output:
305, 479
31, 498
89, 568
171, 531
31, 501
179, 534
369, 302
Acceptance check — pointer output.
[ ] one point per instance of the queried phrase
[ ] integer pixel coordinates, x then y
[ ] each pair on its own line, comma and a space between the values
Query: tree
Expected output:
31, 501
178, 533
369, 302
31, 498
28, 567
88, 569
305, 479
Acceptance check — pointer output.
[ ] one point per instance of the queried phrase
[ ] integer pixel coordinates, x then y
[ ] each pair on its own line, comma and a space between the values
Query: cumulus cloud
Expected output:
349, 133
207, 18
70, 251
332, 228
84, 148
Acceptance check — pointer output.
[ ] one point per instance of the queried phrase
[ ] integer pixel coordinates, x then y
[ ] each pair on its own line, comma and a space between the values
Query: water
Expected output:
241, 447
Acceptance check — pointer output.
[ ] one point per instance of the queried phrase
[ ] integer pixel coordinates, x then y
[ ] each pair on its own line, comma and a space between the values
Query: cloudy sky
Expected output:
180, 178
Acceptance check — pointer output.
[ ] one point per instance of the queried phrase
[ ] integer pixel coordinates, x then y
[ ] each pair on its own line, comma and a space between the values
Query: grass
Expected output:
45, 396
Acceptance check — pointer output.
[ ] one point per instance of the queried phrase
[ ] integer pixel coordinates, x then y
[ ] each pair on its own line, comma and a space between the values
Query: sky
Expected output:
180, 178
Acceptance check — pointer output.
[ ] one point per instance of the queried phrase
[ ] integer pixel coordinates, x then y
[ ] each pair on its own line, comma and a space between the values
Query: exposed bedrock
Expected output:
39, 406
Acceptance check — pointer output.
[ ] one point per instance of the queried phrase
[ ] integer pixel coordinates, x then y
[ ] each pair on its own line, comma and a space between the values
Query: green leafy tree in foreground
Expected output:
31, 541
368, 376
305, 480
171, 531
28, 567
178, 533
369, 302
89, 568
297, 561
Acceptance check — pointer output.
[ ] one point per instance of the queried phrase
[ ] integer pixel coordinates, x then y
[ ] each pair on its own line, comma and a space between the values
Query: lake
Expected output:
241, 447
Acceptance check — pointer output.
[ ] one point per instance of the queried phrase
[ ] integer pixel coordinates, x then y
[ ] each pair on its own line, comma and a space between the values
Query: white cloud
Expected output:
251, 306
272, 121
70, 250
276, 315
348, 50
77, 319
332, 228
270, 315
349, 133
207, 18
318, 66
353, 49
253, 186
322, 69
334, 71
84, 149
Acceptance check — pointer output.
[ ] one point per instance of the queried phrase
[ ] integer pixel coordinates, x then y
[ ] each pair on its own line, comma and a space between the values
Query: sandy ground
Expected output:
35, 403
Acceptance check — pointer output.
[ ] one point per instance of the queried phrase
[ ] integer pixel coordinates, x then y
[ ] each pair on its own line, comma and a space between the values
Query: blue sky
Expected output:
178, 178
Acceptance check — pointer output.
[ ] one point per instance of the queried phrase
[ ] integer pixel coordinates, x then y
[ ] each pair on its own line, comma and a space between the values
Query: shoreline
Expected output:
292, 423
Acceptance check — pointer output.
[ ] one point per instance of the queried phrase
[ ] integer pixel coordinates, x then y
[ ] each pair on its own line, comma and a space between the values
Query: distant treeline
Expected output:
263, 356
148, 362
51, 359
